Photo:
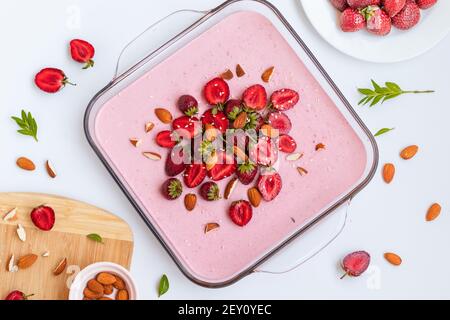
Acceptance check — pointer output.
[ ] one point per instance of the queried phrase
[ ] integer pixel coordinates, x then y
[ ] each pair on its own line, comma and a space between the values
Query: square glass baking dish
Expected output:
211, 19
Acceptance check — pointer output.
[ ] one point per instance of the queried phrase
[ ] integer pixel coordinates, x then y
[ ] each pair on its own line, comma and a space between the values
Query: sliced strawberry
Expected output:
241, 212
246, 172
284, 99
216, 91
264, 152
286, 143
43, 217
225, 167
174, 165
187, 126
216, 118
194, 175
269, 184
255, 97
166, 139
278, 120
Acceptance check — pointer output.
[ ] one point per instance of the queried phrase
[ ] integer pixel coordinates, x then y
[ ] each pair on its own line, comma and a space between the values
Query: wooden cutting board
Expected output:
67, 239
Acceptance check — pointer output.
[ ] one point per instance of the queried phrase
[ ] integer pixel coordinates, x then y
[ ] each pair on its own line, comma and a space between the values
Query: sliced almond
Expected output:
211, 161
254, 196
239, 71
11, 215
211, 226
294, 156
230, 187
25, 164
320, 146
152, 155
12, 267
149, 126
267, 74
210, 132
302, 171
50, 170
227, 75
45, 254
21, 233
268, 131
135, 142
27, 261
190, 200
60, 267
163, 115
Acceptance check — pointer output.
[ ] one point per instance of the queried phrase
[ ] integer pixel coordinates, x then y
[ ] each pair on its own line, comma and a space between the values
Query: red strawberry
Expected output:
216, 91
241, 212
17, 295
280, 121
269, 184
186, 126
225, 167
255, 97
232, 108
194, 175
286, 144
392, 7
172, 189
408, 17
82, 51
378, 21
188, 105
51, 80
341, 5
166, 139
216, 118
43, 217
425, 4
284, 99
264, 152
210, 191
354, 264
359, 4
246, 172
352, 20
174, 165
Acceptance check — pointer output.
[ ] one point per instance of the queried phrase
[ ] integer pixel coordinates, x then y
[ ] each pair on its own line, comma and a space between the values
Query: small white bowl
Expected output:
91, 271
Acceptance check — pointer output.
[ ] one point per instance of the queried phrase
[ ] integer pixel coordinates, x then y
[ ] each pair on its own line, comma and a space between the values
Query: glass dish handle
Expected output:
342, 214
153, 25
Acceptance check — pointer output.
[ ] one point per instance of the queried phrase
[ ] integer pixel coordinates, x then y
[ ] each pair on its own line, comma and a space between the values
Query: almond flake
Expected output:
302, 171
152, 155
294, 156
21, 233
11, 265
227, 75
135, 142
46, 254
211, 226
230, 187
239, 71
149, 126
50, 170
320, 146
267, 74
11, 215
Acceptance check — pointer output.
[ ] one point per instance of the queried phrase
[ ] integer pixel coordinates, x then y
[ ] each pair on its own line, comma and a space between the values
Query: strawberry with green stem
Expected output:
210, 191
172, 189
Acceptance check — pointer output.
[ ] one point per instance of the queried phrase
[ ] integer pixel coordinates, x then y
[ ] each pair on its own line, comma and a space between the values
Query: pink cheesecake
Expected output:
331, 170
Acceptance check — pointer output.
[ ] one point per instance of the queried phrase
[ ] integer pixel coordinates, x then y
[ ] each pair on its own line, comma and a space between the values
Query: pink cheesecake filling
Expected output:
248, 39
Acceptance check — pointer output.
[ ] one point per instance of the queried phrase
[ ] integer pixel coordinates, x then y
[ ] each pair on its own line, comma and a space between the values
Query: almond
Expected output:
106, 278
122, 295
388, 172
104, 298
149, 126
409, 152
211, 226
268, 131
190, 200
108, 289
320, 146
240, 121
50, 170
210, 132
302, 171
227, 75
163, 115
254, 196
60, 267
239, 71
230, 187
25, 164
91, 294
135, 142
152, 155
294, 156
27, 261
267, 74
211, 161
119, 284
393, 258
11, 215
21, 233
238, 152
433, 212
95, 286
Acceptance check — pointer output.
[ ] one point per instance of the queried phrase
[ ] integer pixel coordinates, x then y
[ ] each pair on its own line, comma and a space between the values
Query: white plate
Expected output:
397, 46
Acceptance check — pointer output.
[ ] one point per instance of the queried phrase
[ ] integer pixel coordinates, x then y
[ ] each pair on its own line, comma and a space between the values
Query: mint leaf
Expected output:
163, 285
27, 125
383, 131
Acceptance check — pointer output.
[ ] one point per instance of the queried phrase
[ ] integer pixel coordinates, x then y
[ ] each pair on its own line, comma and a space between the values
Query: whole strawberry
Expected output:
341, 5
378, 21
392, 7
246, 172
210, 191
352, 20
355, 264
82, 51
172, 189
17, 295
51, 80
425, 4
408, 17
359, 4
188, 105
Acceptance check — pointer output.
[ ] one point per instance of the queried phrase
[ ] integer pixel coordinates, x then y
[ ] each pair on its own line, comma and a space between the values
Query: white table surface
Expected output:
382, 218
